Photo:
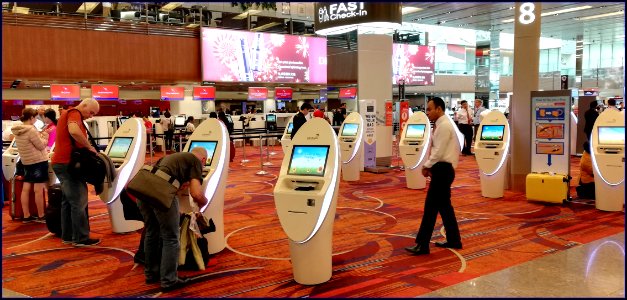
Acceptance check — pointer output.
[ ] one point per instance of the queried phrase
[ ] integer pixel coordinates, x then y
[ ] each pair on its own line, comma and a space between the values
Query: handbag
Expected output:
154, 186
85, 164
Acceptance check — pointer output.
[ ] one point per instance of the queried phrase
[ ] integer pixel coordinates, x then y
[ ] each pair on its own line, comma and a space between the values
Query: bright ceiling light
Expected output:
170, 6
245, 14
602, 15
566, 10
266, 26
87, 7
409, 10
508, 21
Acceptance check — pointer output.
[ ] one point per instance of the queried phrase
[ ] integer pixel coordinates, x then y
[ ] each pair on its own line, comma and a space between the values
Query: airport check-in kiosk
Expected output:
9, 160
491, 148
351, 139
607, 149
127, 150
305, 196
413, 146
286, 139
212, 135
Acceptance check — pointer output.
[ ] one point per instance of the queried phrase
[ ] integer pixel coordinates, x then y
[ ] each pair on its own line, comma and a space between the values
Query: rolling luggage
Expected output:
552, 188
53, 211
16, 194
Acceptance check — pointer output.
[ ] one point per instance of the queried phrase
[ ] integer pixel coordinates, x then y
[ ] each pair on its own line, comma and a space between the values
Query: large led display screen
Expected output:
308, 160
170, 93
204, 93
105, 92
242, 56
413, 64
65, 92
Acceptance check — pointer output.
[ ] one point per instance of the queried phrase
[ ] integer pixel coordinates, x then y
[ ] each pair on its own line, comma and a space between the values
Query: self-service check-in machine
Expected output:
491, 148
305, 196
413, 146
212, 135
351, 140
9, 160
286, 139
127, 151
607, 149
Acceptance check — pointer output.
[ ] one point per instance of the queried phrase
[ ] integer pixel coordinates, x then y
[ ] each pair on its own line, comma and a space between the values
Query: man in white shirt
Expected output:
464, 122
440, 166
477, 117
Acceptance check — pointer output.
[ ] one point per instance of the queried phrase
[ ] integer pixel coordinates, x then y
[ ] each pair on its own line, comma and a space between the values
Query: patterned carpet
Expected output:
376, 218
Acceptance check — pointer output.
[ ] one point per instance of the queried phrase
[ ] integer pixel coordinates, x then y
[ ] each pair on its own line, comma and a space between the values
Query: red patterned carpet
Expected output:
376, 218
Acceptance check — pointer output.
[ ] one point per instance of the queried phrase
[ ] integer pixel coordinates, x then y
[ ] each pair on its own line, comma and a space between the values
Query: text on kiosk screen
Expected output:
210, 146
308, 160
120, 147
350, 129
492, 132
611, 135
415, 131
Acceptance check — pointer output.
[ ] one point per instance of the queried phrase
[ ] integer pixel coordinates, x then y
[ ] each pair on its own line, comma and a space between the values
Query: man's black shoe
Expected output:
417, 250
181, 282
448, 245
152, 280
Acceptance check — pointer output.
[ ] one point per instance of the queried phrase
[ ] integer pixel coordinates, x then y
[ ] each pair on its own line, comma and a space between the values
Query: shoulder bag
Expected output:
154, 186
86, 164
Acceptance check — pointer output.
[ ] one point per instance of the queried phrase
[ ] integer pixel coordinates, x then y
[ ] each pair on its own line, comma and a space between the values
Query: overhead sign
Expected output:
204, 93
347, 93
65, 92
340, 17
284, 93
105, 92
257, 93
172, 93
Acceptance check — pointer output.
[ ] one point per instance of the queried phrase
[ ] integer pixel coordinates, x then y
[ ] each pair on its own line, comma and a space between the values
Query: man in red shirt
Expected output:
72, 134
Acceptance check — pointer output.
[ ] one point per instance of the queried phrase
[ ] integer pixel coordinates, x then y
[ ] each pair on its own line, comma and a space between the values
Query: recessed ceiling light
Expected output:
603, 15
409, 9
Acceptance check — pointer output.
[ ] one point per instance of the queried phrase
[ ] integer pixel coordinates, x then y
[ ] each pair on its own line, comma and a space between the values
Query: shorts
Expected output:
36, 173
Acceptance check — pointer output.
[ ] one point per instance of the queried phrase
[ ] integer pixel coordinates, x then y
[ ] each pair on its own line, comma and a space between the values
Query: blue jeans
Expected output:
161, 225
74, 218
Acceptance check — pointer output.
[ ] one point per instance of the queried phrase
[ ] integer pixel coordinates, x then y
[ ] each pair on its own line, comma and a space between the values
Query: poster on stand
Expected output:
404, 115
550, 131
367, 108
388, 113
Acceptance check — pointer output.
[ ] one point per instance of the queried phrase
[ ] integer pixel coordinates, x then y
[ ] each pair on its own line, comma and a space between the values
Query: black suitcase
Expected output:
53, 211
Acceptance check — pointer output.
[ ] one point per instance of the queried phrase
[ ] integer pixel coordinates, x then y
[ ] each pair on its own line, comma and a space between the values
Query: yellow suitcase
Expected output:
552, 188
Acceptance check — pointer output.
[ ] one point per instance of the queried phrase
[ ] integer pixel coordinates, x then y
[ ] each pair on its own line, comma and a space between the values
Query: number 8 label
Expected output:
526, 13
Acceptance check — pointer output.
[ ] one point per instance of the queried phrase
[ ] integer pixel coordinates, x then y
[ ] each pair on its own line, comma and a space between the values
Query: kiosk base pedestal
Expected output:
311, 261
492, 186
350, 171
608, 197
414, 178
118, 223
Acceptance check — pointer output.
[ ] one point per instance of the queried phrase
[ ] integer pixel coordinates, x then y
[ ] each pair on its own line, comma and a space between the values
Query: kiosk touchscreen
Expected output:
286, 138
9, 159
414, 148
179, 121
607, 149
305, 196
491, 148
351, 140
213, 136
127, 152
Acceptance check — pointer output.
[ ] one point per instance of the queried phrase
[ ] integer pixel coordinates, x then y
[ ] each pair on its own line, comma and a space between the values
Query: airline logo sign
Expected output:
204, 93
257, 93
338, 14
169, 93
342, 10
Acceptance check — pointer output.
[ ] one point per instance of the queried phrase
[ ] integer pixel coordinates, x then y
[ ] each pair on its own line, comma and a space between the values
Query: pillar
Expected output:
495, 64
526, 67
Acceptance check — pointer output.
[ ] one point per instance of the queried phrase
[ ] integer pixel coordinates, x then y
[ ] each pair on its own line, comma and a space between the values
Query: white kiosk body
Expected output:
413, 147
286, 139
351, 136
127, 150
10, 156
607, 149
491, 150
305, 196
212, 135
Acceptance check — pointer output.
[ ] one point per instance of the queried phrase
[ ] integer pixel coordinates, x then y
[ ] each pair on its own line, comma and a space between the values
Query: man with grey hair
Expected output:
72, 134
476, 119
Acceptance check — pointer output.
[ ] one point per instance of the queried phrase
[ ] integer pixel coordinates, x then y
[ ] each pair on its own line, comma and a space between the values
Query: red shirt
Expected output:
63, 146
148, 125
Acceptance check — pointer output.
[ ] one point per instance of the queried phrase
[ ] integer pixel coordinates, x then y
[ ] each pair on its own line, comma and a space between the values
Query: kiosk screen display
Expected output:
611, 135
271, 118
415, 131
308, 160
350, 129
210, 146
179, 121
289, 128
120, 147
492, 132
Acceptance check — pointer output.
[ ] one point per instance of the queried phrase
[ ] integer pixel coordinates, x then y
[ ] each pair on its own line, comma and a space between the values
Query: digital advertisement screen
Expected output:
611, 135
415, 131
283, 93
210, 146
492, 132
271, 118
204, 93
257, 93
120, 147
289, 127
323, 95
413, 64
243, 56
105, 92
179, 121
308, 160
347, 93
65, 92
349, 129
172, 93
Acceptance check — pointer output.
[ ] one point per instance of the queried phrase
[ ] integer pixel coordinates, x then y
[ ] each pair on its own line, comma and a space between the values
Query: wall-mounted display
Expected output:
105, 92
347, 93
204, 93
172, 93
65, 92
283, 93
257, 93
